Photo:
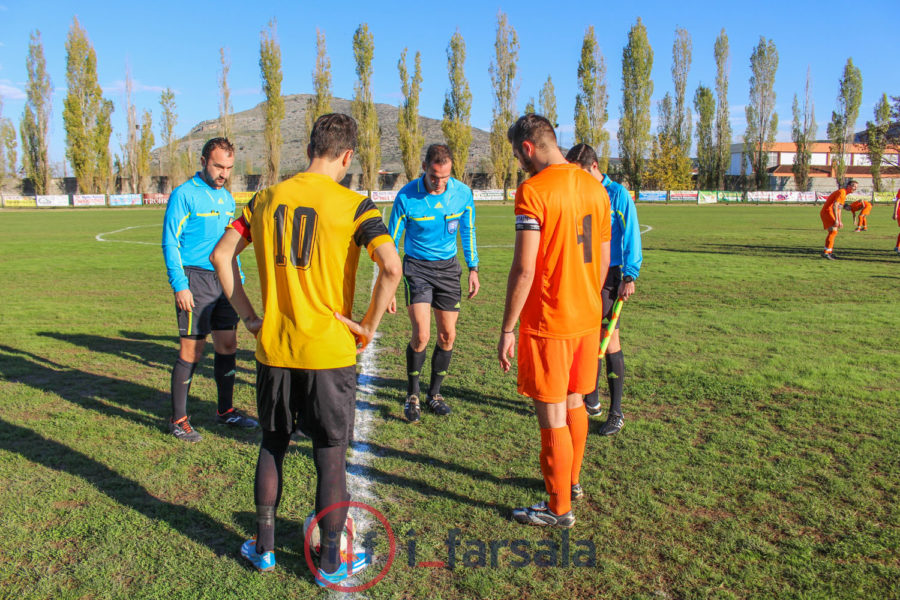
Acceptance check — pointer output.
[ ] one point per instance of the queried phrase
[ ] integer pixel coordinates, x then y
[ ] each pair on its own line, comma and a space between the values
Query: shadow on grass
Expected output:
188, 521
111, 396
854, 254
146, 350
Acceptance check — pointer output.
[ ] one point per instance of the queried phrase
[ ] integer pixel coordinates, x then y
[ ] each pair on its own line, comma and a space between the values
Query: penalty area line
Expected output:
100, 236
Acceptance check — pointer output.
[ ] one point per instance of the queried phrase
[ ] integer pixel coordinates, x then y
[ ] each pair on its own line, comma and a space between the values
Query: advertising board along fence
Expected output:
125, 200
52, 201
19, 202
89, 200
156, 199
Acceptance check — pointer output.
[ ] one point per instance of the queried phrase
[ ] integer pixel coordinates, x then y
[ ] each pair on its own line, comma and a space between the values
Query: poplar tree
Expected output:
547, 98
876, 139
226, 111
669, 169
167, 120
34, 127
681, 126
369, 144
8, 157
145, 146
723, 118
637, 87
803, 134
529, 106
320, 103
503, 78
705, 105
843, 120
762, 120
591, 101
86, 115
409, 132
457, 107
273, 109
130, 149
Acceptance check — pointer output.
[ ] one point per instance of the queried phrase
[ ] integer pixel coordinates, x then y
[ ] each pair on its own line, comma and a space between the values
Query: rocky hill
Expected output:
248, 138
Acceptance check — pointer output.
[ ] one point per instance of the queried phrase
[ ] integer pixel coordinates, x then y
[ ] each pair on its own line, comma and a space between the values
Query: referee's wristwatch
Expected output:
475, 268
628, 279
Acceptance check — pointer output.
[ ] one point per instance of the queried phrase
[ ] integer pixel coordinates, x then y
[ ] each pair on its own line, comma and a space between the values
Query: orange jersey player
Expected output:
560, 262
831, 216
896, 216
863, 207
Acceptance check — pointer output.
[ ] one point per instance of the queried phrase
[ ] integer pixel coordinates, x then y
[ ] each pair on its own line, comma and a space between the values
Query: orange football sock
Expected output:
556, 465
898, 241
577, 420
829, 240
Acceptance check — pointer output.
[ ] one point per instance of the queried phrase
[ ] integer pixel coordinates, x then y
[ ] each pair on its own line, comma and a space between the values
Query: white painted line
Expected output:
100, 236
643, 231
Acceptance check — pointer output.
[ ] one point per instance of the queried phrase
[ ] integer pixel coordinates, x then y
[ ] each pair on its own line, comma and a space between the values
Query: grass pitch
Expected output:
759, 456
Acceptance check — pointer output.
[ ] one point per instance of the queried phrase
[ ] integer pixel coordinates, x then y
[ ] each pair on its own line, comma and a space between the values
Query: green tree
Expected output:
458, 107
167, 120
145, 146
369, 145
226, 111
681, 126
129, 163
843, 120
762, 120
320, 103
876, 139
705, 105
591, 101
637, 87
409, 132
723, 118
86, 115
529, 106
270, 71
547, 98
803, 133
35, 124
8, 155
503, 78
669, 168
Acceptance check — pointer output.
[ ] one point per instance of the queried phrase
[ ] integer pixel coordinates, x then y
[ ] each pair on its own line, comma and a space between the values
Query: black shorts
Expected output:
212, 311
319, 402
610, 292
434, 282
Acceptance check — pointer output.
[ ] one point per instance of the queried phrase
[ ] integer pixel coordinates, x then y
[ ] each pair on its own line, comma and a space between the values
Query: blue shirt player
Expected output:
196, 216
625, 260
433, 211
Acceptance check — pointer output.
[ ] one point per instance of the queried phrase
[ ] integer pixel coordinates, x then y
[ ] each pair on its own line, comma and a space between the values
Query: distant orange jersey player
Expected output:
831, 216
864, 208
895, 216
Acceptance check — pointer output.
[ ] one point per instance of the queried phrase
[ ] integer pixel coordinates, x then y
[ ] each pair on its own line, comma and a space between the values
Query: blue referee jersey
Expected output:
196, 217
625, 247
431, 222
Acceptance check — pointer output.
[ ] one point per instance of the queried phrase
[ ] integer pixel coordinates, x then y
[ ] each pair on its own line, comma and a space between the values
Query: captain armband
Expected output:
526, 223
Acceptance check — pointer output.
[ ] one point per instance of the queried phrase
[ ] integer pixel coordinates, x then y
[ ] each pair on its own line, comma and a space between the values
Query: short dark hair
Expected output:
850, 182
583, 155
213, 144
533, 128
332, 135
438, 154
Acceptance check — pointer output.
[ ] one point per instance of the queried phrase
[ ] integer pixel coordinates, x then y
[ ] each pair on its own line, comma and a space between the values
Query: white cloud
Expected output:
10, 91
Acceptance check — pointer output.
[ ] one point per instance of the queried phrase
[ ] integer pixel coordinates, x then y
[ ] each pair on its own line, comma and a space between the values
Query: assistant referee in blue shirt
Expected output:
433, 210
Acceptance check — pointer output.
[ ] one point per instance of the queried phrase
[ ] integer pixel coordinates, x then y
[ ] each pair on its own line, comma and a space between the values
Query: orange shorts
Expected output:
550, 369
828, 220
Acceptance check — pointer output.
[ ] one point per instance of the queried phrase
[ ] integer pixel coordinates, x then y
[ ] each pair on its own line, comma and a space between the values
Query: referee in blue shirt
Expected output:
625, 258
196, 216
433, 210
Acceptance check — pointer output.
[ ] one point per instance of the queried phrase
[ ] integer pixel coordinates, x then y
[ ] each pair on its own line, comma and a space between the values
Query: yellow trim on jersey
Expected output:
180, 225
381, 239
397, 227
421, 219
456, 216
211, 214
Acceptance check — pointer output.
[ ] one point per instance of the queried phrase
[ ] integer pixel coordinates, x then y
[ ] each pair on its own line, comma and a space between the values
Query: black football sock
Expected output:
223, 370
331, 488
440, 365
181, 385
267, 487
615, 375
414, 362
594, 397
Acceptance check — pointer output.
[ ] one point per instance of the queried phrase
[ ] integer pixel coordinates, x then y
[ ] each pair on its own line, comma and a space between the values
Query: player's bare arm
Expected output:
474, 284
383, 295
184, 299
521, 275
224, 259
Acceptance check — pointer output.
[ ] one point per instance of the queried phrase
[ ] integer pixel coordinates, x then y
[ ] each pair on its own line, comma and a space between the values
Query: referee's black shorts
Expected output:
212, 311
610, 292
319, 402
434, 282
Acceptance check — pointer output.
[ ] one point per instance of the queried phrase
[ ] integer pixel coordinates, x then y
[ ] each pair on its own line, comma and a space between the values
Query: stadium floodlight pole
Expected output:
608, 330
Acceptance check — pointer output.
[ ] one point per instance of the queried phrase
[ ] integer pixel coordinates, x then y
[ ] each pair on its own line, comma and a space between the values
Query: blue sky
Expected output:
176, 44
